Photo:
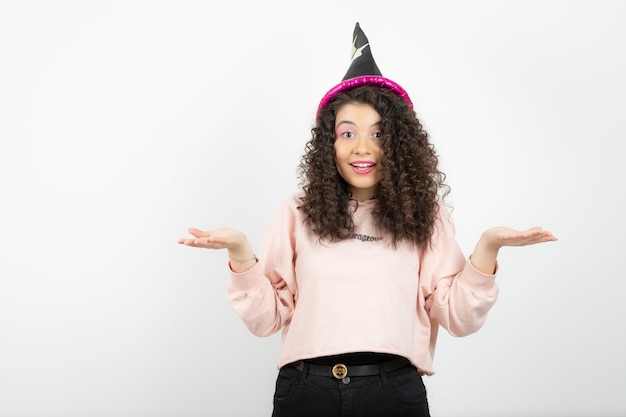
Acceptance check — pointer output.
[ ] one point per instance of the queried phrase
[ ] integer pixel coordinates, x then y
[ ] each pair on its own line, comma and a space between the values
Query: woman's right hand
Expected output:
223, 238
240, 252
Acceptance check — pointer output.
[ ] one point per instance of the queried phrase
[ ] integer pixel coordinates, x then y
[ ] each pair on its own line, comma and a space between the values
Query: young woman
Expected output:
361, 268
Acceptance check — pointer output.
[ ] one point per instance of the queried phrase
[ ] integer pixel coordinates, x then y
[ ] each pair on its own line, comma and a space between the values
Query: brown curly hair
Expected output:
408, 194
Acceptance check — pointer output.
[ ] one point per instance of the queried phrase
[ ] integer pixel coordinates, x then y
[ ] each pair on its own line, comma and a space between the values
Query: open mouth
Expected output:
362, 167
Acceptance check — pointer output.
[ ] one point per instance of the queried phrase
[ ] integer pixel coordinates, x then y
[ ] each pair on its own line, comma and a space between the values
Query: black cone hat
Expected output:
362, 59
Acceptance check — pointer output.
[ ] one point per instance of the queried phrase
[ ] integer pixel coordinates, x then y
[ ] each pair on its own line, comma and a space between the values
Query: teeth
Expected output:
362, 165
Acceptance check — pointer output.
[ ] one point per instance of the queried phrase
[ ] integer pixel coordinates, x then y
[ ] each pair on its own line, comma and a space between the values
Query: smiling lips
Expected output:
362, 167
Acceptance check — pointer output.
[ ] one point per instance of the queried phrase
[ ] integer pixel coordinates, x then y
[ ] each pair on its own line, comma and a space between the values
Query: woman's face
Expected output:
358, 149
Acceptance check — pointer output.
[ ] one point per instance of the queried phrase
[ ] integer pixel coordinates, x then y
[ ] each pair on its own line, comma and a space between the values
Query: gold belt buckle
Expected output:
340, 371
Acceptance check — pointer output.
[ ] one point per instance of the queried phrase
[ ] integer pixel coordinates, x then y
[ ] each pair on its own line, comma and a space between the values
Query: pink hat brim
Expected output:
376, 80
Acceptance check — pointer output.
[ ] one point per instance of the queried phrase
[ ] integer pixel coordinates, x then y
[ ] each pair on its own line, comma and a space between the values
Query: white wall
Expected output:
124, 123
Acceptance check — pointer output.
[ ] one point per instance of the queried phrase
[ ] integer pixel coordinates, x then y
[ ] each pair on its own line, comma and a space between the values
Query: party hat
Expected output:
362, 70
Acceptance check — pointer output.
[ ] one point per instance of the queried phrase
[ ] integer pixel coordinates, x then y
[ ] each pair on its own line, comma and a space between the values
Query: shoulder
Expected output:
293, 201
289, 205
287, 217
297, 197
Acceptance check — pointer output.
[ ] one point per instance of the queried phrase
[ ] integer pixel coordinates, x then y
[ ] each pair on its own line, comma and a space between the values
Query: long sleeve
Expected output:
458, 297
264, 296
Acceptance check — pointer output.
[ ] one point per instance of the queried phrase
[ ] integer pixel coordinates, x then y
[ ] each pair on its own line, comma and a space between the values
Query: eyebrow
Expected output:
344, 122
348, 122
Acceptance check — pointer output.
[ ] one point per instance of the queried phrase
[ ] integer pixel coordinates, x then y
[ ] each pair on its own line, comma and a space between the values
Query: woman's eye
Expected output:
378, 135
347, 134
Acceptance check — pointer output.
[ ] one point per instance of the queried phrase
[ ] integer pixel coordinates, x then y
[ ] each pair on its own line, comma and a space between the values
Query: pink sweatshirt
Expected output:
359, 295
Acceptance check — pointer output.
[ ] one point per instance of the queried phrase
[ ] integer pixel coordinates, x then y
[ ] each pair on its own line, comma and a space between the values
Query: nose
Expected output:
362, 146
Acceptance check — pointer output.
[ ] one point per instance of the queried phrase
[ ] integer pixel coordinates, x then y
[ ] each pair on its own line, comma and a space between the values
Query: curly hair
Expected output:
409, 191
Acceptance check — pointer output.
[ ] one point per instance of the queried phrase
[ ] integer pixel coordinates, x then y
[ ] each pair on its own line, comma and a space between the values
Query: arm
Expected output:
261, 291
460, 292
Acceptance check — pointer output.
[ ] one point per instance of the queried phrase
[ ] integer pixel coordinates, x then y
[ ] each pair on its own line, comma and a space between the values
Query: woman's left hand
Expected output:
496, 237
486, 250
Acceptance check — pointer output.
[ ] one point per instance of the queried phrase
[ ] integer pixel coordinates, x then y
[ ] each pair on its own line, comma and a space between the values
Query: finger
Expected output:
207, 243
541, 238
198, 233
549, 237
538, 231
544, 234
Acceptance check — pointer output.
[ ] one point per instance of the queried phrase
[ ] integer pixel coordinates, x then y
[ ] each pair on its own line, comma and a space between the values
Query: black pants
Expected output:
399, 393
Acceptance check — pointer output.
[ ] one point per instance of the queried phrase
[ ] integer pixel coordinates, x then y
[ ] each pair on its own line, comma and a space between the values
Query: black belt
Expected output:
340, 371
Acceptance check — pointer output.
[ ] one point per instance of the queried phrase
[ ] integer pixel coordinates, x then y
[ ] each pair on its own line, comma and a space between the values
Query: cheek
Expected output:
340, 152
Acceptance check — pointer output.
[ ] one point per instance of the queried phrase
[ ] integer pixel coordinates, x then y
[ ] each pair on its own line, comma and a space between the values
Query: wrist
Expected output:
241, 251
244, 260
242, 257
242, 265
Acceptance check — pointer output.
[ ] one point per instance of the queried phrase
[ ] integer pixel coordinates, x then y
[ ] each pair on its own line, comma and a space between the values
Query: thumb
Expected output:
198, 232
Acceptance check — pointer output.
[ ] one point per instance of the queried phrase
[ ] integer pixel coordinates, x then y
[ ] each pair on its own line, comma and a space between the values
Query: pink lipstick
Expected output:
362, 167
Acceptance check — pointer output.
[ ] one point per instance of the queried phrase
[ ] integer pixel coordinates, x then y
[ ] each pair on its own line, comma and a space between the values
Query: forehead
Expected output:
357, 113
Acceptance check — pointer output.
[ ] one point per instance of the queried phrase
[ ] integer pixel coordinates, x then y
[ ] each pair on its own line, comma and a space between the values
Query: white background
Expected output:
124, 123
